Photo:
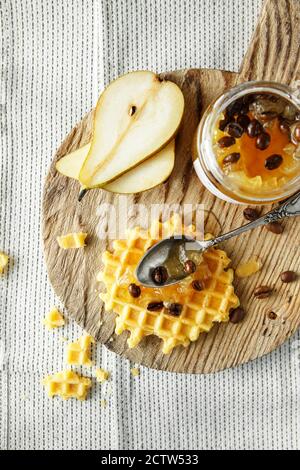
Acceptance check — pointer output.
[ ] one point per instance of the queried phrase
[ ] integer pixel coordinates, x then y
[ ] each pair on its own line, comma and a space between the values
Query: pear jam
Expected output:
256, 142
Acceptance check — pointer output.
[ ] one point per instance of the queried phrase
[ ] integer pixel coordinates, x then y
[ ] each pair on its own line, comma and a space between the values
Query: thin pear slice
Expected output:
135, 117
148, 174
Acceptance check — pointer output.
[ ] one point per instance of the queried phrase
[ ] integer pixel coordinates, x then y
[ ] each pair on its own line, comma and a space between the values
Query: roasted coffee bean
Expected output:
160, 275
189, 266
243, 121
134, 290
232, 158
234, 129
288, 276
254, 128
226, 141
234, 108
273, 162
263, 141
272, 315
284, 127
155, 306
262, 292
175, 309
197, 285
223, 123
275, 227
237, 315
251, 214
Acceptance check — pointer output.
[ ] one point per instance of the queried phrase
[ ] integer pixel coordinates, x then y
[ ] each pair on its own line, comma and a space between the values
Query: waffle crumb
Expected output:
67, 384
135, 372
54, 319
249, 268
63, 339
102, 375
72, 240
200, 309
3, 262
78, 353
103, 403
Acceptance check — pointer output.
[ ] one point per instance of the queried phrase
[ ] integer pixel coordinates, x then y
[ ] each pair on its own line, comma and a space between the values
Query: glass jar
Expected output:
205, 160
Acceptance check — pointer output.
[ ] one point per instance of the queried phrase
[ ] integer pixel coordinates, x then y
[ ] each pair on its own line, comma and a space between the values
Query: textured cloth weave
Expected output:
55, 57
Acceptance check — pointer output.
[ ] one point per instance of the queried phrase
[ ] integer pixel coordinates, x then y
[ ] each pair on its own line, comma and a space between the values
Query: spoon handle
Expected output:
289, 208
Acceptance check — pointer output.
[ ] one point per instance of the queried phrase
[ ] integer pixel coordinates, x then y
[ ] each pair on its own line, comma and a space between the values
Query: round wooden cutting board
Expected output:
73, 272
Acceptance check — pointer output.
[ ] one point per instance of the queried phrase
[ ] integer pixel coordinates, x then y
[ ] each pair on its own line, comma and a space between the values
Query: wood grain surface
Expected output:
73, 273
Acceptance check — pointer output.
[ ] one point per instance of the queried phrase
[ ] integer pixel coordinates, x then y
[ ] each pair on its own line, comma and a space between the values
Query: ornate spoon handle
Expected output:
290, 208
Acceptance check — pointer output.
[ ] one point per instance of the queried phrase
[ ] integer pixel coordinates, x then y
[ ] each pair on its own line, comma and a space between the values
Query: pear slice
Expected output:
148, 174
136, 116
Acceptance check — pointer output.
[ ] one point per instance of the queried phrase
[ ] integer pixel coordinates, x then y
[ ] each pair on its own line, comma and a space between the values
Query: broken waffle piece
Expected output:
78, 353
3, 262
54, 319
102, 375
200, 309
72, 240
67, 384
135, 372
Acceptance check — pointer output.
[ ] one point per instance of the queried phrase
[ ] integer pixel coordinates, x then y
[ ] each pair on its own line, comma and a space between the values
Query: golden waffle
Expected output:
78, 353
53, 319
200, 308
67, 384
72, 240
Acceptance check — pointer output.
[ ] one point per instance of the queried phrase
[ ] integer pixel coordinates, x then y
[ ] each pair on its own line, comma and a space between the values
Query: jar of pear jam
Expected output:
247, 145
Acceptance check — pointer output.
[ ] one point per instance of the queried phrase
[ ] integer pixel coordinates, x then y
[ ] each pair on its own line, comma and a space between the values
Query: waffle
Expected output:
72, 240
53, 319
201, 309
78, 353
67, 384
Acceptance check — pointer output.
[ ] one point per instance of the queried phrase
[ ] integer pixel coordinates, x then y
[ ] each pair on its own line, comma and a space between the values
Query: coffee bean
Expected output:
243, 121
223, 123
226, 141
175, 309
262, 292
251, 214
234, 108
155, 306
160, 275
234, 129
237, 315
189, 266
232, 158
273, 162
263, 141
284, 127
272, 315
197, 285
288, 276
275, 227
134, 290
254, 129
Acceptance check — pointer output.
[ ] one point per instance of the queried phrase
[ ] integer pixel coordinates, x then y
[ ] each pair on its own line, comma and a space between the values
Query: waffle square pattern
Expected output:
201, 309
67, 384
78, 353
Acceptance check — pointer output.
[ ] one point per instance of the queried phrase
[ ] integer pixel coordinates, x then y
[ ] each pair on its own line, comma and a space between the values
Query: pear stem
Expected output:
81, 194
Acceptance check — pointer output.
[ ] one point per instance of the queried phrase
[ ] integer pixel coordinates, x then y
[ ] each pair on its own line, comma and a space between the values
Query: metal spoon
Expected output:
173, 252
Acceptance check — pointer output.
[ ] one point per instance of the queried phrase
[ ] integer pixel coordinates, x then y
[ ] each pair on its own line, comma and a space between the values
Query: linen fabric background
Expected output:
56, 55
